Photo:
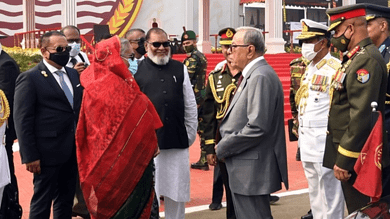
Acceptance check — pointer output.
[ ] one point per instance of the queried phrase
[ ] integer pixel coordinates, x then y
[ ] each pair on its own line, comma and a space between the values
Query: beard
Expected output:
159, 60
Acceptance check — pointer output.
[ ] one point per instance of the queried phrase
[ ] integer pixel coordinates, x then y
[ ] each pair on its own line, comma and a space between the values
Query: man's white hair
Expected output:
253, 36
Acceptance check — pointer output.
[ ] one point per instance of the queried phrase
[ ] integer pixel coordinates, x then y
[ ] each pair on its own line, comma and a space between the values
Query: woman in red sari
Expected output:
115, 138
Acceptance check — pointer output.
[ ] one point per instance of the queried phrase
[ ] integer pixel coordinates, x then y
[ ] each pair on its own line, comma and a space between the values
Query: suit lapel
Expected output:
49, 78
73, 77
243, 85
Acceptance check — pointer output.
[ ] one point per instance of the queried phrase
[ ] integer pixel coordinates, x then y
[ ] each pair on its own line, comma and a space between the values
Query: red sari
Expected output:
115, 135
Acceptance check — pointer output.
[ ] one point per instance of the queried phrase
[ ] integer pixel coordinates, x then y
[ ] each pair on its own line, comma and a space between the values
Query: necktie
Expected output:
73, 61
65, 87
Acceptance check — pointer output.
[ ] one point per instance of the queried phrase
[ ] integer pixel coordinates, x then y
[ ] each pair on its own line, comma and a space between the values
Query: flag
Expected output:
368, 166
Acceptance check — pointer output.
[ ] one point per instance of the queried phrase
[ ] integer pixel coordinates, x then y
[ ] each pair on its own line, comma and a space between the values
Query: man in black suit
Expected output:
9, 71
47, 105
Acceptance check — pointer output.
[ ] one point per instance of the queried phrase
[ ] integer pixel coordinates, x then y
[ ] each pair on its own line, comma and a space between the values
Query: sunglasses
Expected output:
61, 48
158, 44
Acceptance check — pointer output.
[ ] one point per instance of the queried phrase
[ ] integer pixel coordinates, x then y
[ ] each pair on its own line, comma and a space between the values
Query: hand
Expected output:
34, 167
341, 174
212, 159
79, 67
157, 152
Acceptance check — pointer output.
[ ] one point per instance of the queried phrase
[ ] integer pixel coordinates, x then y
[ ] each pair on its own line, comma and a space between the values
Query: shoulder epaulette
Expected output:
334, 63
295, 61
321, 63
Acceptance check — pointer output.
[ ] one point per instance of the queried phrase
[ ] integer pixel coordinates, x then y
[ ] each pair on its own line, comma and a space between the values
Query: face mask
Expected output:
341, 42
75, 49
141, 47
60, 58
133, 66
189, 48
308, 50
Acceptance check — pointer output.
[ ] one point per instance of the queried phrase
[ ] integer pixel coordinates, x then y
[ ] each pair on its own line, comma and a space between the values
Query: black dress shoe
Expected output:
215, 206
273, 199
309, 215
200, 166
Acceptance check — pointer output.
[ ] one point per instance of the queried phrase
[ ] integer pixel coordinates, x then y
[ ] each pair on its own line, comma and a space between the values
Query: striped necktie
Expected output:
65, 87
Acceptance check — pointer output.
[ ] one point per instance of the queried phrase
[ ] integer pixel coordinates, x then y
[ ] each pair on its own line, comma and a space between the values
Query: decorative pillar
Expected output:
204, 44
69, 13
28, 40
274, 26
349, 2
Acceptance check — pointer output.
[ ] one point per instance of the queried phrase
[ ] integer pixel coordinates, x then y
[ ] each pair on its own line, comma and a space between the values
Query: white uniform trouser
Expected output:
174, 209
325, 192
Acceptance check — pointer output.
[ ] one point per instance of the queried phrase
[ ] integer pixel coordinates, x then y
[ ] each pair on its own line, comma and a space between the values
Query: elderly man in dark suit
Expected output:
9, 71
253, 141
47, 106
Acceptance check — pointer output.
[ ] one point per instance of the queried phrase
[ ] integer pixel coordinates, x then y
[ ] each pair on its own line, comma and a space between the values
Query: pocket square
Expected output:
78, 85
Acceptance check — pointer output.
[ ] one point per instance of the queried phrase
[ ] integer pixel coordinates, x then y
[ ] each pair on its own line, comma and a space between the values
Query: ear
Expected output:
43, 50
146, 46
383, 26
251, 51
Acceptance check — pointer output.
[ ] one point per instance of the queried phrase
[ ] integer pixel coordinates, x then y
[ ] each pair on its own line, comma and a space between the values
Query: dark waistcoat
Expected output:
163, 84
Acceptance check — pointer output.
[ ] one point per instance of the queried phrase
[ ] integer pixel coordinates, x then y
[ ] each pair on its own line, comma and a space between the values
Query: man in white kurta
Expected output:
166, 83
313, 102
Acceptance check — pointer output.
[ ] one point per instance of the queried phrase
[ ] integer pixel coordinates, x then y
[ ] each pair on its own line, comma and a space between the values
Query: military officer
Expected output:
220, 87
312, 101
378, 20
196, 64
360, 80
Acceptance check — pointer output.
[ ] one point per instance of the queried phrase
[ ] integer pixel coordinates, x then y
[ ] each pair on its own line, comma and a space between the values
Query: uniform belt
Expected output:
313, 123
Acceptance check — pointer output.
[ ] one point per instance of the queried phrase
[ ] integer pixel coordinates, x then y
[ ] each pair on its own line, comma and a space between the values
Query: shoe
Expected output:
273, 199
84, 216
200, 166
309, 215
298, 155
202, 162
215, 206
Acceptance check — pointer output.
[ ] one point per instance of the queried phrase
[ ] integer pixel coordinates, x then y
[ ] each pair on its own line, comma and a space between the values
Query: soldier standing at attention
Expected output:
378, 29
360, 80
196, 64
313, 101
220, 87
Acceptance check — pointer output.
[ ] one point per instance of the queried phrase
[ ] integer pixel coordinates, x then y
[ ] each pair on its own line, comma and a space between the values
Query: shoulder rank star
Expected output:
44, 74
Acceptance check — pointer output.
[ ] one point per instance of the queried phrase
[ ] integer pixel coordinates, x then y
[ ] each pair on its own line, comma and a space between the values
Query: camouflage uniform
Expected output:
196, 64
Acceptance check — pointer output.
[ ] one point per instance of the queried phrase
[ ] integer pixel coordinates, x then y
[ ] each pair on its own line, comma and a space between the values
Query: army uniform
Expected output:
196, 64
360, 80
220, 87
374, 12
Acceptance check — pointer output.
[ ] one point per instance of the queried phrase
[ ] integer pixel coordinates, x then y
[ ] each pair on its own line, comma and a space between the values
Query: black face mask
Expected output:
141, 47
60, 58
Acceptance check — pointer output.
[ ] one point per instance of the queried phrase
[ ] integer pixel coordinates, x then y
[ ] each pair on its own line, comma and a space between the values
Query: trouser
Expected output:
230, 214
353, 198
173, 209
217, 185
256, 206
79, 206
55, 184
10, 154
325, 192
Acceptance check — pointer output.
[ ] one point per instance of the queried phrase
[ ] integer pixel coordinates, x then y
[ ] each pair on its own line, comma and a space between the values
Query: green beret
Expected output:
188, 35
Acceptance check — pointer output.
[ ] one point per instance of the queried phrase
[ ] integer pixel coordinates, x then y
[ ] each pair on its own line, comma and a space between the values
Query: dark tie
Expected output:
238, 84
65, 87
73, 61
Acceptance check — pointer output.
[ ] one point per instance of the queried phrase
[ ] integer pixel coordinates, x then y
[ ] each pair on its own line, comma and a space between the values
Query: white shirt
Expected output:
78, 59
52, 69
250, 65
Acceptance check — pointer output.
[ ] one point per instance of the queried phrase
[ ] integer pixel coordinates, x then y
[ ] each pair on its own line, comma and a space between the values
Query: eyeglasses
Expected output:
74, 40
61, 48
235, 46
158, 44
